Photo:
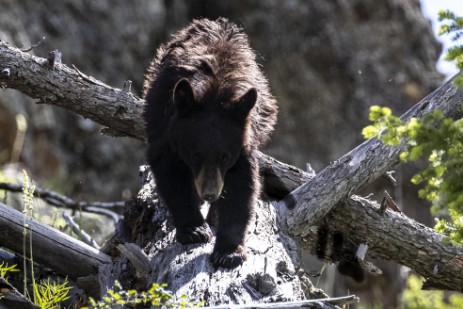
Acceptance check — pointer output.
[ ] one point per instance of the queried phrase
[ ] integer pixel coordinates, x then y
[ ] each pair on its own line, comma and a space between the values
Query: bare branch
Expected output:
69, 88
310, 202
58, 200
83, 236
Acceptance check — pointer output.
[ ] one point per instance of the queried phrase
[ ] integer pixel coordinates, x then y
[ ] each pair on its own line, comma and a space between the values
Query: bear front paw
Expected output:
191, 235
228, 260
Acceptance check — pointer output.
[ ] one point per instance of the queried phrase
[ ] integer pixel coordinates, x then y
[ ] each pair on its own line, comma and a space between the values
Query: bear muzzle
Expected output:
209, 184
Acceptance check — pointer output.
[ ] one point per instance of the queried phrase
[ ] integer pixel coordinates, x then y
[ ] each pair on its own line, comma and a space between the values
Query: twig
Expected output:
58, 200
85, 77
389, 175
105, 212
127, 85
388, 202
82, 235
53, 58
312, 303
25, 50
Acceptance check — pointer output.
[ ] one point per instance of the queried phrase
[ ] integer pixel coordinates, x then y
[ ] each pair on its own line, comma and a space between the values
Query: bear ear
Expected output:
184, 97
247, 102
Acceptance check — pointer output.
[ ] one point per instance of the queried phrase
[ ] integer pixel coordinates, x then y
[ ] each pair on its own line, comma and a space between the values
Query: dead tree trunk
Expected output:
272, 272
51, 248
313, 200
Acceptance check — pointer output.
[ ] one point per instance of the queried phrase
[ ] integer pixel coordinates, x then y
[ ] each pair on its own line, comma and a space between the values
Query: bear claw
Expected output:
191, 235
228, 260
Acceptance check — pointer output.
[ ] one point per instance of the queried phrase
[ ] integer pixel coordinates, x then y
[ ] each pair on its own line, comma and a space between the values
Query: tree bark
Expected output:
391, 235
394, 236
310, 202
51, 82
270, 274
52, 248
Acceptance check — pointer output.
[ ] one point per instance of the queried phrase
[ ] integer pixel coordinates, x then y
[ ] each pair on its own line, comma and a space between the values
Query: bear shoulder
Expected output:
212, 55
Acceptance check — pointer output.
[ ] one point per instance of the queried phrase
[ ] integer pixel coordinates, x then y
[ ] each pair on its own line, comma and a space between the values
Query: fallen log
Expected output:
54, 83
310, 202
50, 247
393, 236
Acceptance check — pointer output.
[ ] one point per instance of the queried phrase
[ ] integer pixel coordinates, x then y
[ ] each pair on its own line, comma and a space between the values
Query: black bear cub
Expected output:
208, 108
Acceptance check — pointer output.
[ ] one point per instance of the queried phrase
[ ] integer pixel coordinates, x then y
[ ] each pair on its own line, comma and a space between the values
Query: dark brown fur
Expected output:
204, 124
216, 54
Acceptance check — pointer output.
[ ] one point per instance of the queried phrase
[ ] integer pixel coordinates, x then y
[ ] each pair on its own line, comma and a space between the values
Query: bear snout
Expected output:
209, 197
209, 184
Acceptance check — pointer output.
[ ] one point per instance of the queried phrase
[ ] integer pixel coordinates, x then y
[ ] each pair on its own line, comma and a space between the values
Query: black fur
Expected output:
332, 246
208, 109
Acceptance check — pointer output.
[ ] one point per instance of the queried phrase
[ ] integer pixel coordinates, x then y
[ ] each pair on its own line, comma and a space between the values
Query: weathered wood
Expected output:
393, 236
279, 178
10, 298
310, 202
57, 84
50, 247
271, 272
324, 303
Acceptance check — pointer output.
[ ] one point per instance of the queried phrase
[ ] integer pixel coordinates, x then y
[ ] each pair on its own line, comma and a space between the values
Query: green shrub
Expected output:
414, 297
442, 145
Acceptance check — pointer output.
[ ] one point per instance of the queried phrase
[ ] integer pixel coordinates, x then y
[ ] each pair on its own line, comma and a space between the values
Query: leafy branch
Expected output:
5, 269
440, 140
453, 25
436, 138
156, 296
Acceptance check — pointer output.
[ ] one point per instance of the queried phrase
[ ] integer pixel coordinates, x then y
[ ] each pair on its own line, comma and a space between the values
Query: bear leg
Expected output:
191, 235
235, 208
175, 184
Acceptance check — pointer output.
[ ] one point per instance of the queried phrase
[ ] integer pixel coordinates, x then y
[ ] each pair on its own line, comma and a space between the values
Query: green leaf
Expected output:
438, 139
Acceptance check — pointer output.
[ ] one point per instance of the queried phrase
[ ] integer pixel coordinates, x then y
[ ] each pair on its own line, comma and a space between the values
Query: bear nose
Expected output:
209, 197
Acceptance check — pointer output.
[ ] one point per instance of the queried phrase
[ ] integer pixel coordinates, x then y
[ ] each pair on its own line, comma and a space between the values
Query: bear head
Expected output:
209, 133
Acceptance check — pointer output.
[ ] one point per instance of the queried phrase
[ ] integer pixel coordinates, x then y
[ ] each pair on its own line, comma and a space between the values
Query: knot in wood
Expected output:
263, 283
6, 72
53, 58
127, 85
